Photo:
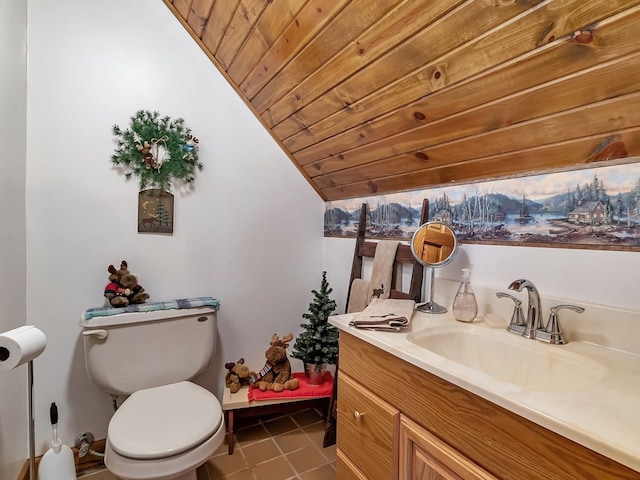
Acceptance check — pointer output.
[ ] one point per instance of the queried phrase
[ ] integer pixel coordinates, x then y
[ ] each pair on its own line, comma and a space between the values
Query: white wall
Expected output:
250, 234
13, 104
607, 278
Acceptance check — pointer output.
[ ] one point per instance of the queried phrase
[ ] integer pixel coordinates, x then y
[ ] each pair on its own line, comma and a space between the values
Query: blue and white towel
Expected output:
150, 307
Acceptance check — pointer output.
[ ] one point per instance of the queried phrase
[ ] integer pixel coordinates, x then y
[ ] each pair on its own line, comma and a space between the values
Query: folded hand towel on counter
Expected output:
389, 315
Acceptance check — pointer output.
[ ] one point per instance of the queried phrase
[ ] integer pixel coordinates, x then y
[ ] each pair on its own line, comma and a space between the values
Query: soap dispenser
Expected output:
465, 306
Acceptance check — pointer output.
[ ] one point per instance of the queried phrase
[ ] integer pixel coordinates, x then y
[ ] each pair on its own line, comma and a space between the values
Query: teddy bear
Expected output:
276, 374
123, 288
238, 375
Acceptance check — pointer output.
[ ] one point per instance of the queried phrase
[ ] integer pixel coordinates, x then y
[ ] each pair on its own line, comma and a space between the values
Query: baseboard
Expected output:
83, 465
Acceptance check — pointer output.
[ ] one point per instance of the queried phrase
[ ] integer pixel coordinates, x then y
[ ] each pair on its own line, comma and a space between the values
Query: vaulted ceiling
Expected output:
378, 96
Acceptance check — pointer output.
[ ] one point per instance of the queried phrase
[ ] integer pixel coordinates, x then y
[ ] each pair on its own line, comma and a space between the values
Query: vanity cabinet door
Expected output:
345, 470
423, 456
366, 433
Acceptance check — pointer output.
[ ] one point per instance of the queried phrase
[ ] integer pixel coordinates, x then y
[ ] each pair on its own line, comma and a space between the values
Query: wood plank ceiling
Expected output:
379, 96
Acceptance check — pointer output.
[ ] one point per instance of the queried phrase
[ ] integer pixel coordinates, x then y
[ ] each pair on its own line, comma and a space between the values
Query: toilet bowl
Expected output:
164, 433
168, 426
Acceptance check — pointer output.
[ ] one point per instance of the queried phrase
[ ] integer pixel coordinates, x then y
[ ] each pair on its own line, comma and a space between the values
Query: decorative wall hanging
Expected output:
595, 208
155, 211
158, 151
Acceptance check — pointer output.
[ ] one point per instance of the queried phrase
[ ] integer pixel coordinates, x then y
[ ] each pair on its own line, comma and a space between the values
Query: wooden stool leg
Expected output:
229, 415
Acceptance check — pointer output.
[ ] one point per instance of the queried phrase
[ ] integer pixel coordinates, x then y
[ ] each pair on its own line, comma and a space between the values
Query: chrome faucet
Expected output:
517, 323
534, 315
553, 333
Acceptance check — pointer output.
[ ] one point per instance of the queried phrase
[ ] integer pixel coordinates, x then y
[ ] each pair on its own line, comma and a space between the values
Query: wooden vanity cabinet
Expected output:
376, 442
416, 425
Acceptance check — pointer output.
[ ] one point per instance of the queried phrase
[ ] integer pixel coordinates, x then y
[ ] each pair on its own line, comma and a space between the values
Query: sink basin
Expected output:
509, 358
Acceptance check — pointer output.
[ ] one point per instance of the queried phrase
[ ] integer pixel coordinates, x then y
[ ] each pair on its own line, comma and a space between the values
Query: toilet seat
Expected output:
164, 421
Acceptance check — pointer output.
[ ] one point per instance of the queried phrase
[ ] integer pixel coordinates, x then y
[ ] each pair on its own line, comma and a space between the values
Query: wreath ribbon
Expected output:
156, 143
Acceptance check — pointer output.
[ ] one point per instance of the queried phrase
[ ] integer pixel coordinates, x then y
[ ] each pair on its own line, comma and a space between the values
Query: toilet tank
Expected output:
127, 352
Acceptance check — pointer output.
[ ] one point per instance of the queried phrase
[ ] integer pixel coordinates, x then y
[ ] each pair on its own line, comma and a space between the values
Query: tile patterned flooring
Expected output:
275, 447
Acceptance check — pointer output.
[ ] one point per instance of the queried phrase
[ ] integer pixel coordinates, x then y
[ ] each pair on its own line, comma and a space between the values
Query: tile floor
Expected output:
276, 447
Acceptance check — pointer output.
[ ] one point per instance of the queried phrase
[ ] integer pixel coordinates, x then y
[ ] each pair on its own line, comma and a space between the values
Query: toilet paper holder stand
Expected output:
32, 443
32, 447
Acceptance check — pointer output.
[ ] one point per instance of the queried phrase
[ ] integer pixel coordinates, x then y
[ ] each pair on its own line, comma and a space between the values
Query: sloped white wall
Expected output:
250, 234
13, 104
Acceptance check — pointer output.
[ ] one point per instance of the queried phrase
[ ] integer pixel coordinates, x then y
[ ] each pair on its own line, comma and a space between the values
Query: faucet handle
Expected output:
517, 323
552, 332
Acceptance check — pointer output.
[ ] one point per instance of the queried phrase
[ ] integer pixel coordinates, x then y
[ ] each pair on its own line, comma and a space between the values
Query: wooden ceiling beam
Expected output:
510, 54
426, 47
579, 122
275, 18
371, 97
306, 25
397, 40
337, 34
564, 156
616, 77
219, 18
199, 15
239, 28
182, 7
487, 126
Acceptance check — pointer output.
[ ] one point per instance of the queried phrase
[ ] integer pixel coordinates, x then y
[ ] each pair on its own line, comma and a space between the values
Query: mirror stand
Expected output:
429, 306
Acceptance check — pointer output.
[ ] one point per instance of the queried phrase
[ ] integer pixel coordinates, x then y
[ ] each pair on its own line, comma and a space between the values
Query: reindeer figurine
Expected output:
276, 374
147, 156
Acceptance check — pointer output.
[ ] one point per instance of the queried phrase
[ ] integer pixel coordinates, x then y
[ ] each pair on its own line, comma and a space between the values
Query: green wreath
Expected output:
157, 150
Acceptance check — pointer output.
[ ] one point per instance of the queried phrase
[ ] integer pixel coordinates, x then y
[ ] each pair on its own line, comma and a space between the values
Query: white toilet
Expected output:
168, 426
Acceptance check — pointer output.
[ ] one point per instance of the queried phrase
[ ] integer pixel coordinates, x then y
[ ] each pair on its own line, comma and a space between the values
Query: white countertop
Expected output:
604, 417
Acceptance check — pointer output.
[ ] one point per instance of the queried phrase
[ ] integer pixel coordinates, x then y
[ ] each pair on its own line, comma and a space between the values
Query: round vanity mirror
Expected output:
433, 245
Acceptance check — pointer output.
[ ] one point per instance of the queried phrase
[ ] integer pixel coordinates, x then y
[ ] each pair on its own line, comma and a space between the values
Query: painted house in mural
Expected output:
443, 216
591, 213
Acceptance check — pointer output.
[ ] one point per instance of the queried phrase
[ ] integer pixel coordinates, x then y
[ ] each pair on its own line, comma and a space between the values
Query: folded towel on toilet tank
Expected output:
152, 306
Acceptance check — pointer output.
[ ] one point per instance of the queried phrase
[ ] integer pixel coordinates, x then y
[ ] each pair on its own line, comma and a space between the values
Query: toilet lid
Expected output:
163, 421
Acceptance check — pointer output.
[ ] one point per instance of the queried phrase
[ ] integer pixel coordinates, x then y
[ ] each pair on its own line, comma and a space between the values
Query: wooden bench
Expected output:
237, 405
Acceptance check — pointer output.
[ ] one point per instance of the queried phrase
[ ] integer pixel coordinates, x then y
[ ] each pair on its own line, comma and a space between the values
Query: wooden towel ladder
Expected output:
364, 249
367, 249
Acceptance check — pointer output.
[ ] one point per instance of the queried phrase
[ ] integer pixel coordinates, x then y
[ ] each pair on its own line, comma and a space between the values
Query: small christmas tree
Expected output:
318, 344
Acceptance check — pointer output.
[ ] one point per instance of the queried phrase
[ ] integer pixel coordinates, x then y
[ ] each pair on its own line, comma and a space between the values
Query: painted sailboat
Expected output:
524, 216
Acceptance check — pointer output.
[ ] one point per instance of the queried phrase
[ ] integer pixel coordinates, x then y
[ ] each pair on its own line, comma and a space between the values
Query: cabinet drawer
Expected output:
367, 430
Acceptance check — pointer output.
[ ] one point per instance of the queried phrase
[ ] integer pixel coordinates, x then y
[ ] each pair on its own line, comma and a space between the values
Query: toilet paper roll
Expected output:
20, 345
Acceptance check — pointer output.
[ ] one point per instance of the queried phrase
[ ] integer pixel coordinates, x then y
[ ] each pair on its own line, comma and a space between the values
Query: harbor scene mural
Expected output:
596, 208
